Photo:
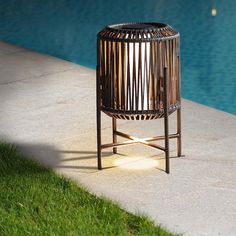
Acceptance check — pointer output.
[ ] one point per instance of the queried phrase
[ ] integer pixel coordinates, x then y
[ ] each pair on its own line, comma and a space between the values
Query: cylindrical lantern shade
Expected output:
131, 62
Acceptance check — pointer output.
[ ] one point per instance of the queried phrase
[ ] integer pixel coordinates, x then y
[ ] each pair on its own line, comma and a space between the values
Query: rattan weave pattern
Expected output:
131, 62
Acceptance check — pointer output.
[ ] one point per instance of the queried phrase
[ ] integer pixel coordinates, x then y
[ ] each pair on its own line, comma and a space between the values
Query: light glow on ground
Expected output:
136, 163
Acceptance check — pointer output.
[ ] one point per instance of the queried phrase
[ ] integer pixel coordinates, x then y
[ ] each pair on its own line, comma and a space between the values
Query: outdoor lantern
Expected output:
138, 78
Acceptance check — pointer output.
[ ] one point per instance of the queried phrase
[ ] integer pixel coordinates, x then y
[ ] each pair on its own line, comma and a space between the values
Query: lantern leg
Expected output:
114, 136
166, 119
179, 141
99, 149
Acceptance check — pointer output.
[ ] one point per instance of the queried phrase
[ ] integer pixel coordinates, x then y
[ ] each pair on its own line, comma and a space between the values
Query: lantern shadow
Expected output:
51, 157
81, 160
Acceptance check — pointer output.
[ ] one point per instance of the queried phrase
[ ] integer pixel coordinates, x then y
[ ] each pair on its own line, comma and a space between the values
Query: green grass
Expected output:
36, 201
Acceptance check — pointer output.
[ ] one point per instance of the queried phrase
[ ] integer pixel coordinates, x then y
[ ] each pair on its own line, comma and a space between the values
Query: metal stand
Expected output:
166, 120
114, 136
133, 140
99, 150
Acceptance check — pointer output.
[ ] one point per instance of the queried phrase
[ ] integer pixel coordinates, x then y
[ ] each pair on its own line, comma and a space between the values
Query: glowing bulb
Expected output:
135, 50
213, 12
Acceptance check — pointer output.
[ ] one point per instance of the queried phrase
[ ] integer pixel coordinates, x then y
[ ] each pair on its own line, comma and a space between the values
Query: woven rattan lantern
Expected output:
138, 78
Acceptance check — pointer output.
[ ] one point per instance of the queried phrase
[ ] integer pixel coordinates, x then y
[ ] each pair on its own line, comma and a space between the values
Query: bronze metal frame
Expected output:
122, 97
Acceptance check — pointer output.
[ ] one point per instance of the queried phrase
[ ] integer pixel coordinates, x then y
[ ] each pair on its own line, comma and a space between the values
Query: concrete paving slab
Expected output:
6, 48
49, 110
28, 64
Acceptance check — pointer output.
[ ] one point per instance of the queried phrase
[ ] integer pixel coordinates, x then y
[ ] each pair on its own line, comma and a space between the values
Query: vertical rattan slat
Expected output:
134, 79
128, 101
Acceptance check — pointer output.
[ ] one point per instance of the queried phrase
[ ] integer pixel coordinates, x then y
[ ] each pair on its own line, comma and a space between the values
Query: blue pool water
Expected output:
67, 29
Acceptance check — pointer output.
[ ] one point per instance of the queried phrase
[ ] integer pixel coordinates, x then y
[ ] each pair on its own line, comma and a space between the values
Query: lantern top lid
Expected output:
136, 32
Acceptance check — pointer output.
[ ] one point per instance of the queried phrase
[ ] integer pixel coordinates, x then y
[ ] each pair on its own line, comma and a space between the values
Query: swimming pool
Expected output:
67, 29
